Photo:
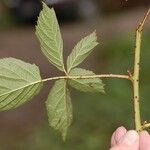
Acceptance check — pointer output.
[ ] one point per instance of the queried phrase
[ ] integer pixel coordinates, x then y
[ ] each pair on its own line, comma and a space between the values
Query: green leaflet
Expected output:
48, 33
86, 85
81, 51
59, 107
19, 82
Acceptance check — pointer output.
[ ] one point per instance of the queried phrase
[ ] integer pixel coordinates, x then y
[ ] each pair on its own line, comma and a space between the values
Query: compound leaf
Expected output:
59, 107
19, 82
81, 51
86, 85
48, 33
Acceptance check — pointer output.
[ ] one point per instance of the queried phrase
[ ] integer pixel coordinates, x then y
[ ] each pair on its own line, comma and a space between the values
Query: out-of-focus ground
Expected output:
95, 116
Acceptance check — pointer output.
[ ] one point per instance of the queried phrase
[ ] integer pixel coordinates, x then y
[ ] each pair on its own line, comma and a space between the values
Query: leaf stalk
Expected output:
89, 77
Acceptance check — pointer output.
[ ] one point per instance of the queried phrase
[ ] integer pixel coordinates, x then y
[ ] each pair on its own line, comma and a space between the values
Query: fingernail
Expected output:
130, 138
121, 129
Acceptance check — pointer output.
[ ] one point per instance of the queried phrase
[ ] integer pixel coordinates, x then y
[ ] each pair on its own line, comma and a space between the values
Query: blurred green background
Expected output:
96, 116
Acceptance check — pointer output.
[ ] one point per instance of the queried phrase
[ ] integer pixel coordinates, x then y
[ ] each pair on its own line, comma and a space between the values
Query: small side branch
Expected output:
145, 125
141, 25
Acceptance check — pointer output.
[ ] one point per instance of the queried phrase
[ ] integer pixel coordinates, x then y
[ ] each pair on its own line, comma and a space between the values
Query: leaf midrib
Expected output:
21, 88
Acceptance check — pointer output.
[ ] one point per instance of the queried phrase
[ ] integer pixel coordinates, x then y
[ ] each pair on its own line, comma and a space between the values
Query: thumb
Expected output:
129, 141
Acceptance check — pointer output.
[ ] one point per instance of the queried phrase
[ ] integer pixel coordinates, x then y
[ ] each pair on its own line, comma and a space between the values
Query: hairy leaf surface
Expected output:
81, 51
86, 85
19, 82
59, 107
48, 33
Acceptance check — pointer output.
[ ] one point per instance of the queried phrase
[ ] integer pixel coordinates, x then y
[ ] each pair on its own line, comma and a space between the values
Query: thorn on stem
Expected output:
129, 72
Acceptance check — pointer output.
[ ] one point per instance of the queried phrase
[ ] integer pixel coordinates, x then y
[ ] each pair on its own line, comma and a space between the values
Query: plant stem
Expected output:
136, 98
136, 83
89, 76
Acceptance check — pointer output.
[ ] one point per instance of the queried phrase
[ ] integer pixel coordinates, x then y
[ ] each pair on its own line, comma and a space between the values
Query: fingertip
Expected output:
130, 138
144, 140
144, 133
117, 135
113, 141
121, 130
